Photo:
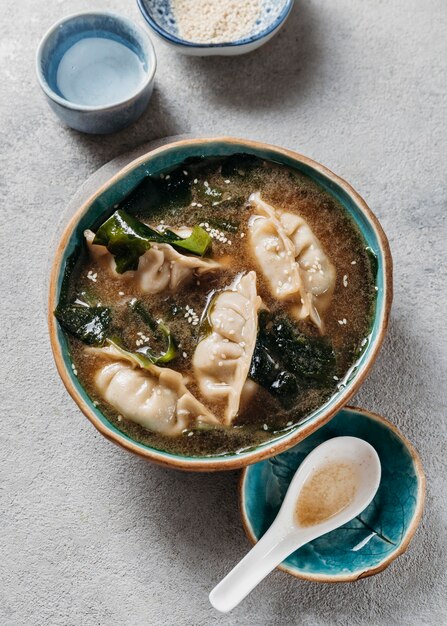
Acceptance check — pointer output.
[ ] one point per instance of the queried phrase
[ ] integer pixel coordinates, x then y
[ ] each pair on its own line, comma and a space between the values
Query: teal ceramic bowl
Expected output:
100, 206
367, 544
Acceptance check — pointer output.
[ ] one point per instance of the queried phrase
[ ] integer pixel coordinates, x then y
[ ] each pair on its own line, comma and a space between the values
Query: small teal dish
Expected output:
367, 544
160, 18
97, 71
162, 160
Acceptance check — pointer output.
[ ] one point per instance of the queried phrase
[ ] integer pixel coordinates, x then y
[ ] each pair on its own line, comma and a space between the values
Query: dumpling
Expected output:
156, 398
292, 260
161, 268
222, 359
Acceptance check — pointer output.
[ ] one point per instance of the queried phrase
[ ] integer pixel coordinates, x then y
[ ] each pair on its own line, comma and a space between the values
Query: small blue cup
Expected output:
106, 117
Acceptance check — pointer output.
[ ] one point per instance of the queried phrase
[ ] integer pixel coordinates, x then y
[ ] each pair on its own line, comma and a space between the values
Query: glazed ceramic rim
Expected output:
371, 571
68, 104
170, 38
234, 461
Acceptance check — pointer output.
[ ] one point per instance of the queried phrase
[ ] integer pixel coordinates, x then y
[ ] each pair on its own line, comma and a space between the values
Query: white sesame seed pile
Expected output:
215, 233
191, 316
92, 276
143, 339
210, 21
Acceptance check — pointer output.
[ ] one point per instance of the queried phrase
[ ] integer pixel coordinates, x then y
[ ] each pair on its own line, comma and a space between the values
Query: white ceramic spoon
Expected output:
286, 535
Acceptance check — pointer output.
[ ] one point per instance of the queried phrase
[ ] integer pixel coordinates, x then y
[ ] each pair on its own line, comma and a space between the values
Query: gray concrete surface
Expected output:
90, 535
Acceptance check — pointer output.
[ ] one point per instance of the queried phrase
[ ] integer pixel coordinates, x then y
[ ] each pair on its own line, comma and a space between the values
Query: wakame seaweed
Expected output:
373, 261
155, 193
285, 361
127, 239
158, 327
89, 324
239, 164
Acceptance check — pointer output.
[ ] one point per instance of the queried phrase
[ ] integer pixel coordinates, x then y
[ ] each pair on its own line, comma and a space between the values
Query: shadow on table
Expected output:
267, 76
155, 122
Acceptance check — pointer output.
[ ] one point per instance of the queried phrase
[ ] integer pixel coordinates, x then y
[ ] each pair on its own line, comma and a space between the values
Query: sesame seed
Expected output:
184, 355
185, 172
220, 364
242, 235
190, 434
265, 427
376, 288
121, 293
168, 176
353, 262
120, 418
227, 182
335, 378
199, 205
195, 181
193, 203
345, 280
289, 423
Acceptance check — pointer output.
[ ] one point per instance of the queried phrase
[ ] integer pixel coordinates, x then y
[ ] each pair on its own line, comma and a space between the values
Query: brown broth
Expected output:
325, 493
264, 418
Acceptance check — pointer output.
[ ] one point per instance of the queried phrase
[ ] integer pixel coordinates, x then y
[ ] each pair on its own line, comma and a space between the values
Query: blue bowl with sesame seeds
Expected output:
161, 161
222, 30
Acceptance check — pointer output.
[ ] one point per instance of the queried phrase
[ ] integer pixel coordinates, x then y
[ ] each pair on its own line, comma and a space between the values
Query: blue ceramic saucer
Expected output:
367, 544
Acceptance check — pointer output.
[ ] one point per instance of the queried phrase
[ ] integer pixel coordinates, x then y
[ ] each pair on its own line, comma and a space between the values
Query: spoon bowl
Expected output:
288, 532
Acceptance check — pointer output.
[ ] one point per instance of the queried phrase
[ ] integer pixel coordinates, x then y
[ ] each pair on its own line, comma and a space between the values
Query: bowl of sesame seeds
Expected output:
173, 164
210, 28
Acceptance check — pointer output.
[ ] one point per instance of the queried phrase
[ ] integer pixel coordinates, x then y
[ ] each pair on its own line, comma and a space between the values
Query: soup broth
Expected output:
325, 493
214, 194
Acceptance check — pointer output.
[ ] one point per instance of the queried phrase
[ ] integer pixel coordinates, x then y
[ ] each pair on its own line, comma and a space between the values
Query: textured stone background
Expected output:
90, 535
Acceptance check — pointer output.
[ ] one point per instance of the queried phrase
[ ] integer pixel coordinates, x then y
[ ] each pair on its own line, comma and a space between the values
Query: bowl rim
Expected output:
302, 431
370, 571
178, 41
68, 104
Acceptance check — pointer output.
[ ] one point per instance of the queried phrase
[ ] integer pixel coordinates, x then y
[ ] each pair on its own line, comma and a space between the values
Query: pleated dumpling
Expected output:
292, 260
161, 268
222, 359
155, 397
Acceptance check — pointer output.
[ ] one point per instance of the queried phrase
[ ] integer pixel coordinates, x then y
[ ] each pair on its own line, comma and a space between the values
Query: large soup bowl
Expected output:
99, 206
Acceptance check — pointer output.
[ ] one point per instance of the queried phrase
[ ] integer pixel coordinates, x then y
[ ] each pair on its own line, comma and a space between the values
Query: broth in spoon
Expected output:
325, 493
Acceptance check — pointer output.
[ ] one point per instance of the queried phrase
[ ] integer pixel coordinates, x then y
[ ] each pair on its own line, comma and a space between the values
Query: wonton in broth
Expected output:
219, 305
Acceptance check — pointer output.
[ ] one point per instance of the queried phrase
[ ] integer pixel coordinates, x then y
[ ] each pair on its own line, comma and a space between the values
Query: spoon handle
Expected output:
270, 550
